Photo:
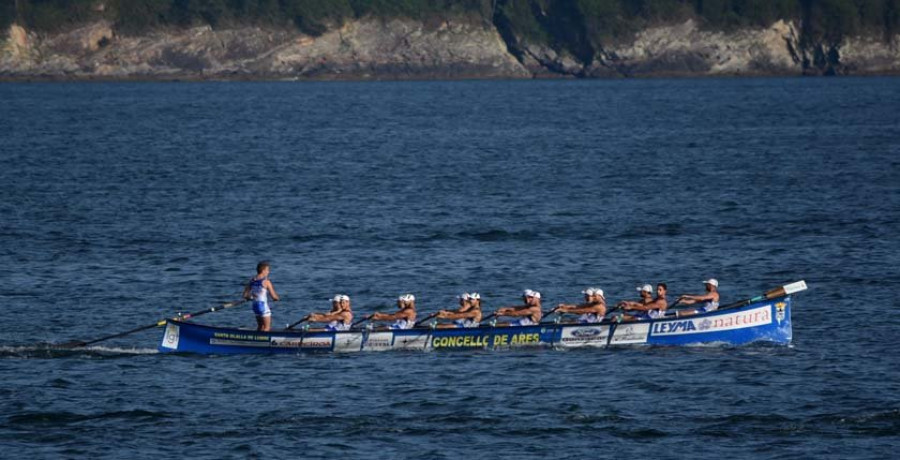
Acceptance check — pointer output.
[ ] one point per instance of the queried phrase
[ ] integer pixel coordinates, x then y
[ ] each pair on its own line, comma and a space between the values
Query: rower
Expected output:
404, 318
592, 310
467, 315
647, 308
339, 320
710, 300
529, 314
258, 290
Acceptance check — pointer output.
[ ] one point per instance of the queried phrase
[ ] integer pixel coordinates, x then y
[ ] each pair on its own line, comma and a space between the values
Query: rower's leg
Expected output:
263, 323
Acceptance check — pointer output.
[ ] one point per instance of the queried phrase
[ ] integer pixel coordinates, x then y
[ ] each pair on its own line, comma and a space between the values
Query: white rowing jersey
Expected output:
588, 318
338, 326
403, 324
710, 305
258, 291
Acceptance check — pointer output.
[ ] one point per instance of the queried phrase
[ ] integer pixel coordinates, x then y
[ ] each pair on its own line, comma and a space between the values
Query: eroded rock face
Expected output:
360, 49
397, 49
870, 55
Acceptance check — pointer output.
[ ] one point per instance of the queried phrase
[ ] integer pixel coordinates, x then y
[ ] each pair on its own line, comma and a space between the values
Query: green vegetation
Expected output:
577, 25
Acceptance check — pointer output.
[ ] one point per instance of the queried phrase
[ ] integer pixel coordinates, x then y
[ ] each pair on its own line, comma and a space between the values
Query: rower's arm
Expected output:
458, 314
659, 304
519, 310
271, 290
701, 298
246, 294
326, 317
582, 309
386, 316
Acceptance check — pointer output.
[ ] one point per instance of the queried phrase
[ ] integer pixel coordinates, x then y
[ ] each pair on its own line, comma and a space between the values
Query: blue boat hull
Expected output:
766, 321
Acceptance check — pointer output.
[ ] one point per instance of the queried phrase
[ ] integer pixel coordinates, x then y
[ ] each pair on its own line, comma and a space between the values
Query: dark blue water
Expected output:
121, 204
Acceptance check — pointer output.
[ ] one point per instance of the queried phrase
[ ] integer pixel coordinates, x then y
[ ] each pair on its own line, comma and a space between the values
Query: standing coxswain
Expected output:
404, 318
338, 320
258, 290
710, 300
467, 315
528, 314
592, 310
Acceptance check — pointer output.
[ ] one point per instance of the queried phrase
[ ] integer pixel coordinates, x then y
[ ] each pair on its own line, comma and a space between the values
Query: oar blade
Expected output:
795, 287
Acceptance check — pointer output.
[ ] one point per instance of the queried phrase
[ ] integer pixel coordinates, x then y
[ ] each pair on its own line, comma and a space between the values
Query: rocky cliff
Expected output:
403, 48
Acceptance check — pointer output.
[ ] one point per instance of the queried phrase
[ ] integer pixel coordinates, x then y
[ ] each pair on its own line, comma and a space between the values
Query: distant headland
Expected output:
434, 39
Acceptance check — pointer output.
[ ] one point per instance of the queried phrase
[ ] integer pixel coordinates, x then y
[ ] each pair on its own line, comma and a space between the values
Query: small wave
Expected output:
63, 417
50, 351
499, 235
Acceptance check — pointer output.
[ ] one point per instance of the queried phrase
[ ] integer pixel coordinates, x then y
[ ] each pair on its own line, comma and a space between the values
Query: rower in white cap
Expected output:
338, 320
592, 310
647, 308
467, 315
404, 318
710, 299
528, 314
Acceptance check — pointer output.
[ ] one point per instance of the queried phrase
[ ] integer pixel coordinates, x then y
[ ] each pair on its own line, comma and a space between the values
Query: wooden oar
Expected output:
365, 318
487, 318
422, 321
302, 320
78, 344
780, 291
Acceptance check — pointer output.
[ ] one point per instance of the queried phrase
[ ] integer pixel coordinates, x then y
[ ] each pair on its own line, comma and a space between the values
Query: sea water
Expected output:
125, 203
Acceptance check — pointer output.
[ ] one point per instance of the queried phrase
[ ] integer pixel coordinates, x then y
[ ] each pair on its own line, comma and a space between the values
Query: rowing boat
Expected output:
756, 320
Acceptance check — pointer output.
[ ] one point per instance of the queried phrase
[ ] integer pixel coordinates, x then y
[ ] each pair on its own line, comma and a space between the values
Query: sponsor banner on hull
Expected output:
316, 342
630, 333
346, 341
758, 316
378, 341
581, 336
286, 342
238, 343
414, 342
171, 336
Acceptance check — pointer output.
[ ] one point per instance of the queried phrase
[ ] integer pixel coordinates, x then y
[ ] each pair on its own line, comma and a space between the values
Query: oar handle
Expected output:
487, 317
294, 324
420, 322
365, 318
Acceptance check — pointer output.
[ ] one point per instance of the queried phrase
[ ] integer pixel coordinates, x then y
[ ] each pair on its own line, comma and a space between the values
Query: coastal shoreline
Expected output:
408, 50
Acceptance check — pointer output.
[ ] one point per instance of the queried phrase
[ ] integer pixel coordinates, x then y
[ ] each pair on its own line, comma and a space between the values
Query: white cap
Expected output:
588, 291
464, 296
336, 298
646, 287
345, 297
530, 293
599, 292
407, 298
712, 281
475, 296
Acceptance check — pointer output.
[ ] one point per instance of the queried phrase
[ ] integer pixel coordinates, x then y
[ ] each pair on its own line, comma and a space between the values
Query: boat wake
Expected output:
51, 351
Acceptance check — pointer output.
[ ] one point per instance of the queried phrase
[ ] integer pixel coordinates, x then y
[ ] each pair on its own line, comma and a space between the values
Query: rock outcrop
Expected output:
366, 49
399, 49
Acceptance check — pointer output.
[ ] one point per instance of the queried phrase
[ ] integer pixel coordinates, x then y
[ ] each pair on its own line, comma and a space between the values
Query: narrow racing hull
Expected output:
764, 321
